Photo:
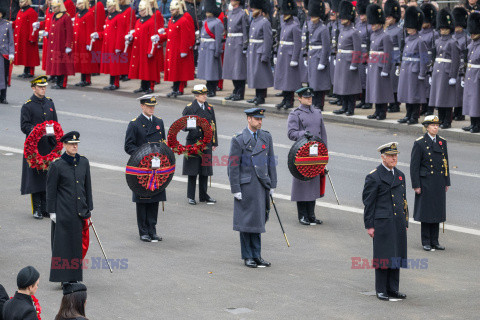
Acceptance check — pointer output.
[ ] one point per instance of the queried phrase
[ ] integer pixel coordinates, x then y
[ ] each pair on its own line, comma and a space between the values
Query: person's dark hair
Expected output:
72, 306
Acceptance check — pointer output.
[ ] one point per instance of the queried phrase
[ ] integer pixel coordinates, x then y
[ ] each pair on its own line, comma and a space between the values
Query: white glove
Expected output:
94, 35
305, 63
452, 81
293, 63
383, 74
238, 195
182, 55
274, 60
155, 38
421, 78
462, 83
149, 55
73, 20
68, 50
11, 56
353, 68
118, 51
334, 62
161, 31
397, 72
197, 33
36, 25
88, 48
429, 80
128, 37
131, 31
271, 191
53, 216
366, 70
320, 66
45, 34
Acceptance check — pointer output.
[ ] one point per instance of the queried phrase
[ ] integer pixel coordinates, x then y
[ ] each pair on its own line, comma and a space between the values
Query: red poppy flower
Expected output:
263, 147
51, 109
158, 127
440, 142
400, 178
209, 108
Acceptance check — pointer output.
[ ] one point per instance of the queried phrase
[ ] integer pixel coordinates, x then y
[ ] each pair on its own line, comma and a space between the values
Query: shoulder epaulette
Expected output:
156, 117
373, 171
49, 98
420, 138
188, 105
442, 138
56, 159
28, 101
134, 119
246, 12
237, 134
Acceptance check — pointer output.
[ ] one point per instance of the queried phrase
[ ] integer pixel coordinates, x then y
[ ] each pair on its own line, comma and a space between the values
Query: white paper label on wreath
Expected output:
314, 150
155, 163
49, 130
191, 123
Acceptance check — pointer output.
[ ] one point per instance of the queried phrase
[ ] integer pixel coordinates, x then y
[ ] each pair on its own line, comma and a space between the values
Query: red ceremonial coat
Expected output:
26, 41
70, 7
99, 11
60, 37
45, 25
82, 29
111, 41
180, 38
141, 66
128, 23
159, 23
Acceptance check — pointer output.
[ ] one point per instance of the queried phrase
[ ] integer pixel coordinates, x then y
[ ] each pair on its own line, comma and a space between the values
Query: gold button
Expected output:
431, 172
78, 198
77, 181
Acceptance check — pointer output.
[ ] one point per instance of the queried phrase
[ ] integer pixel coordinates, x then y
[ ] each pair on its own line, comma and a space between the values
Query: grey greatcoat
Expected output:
234, 60
210, 51
471, 93
332, 27
287, 78
251, 171
259, 71
463, 40
300, 120
414, 64
429, 36
346, 81
6, 47
443, 95
396, 34
318, 53
365, 30
379, 89
303, 58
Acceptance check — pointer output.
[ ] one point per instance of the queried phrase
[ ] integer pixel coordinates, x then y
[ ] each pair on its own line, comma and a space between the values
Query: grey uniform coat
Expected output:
346, 81
396, 34
287, 78
429, 36
234, 60
428, 172
251, 171
365, 30
414, 63
443, 95
471, 93
318, 53
303, 58
259, 71
463, 40
332, 27
6, 47
379, 89
210, 51
300, 120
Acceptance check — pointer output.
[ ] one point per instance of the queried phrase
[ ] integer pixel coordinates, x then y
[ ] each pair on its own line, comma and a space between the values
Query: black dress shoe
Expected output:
334, 101
403, 120
397, 295
339, 111
46, 214
395, 108
148, 91
467, 128
237, 97
372, 116
259, 101
438, 247
262, 263
252, 100
80, 84
360, 105
192, 201
280, 105
367, 106
37, 215
211, 201
156, 238
250, 263
111, 87
381, 117
315, 221
428, 113
288, 106
304, 221
459, 118
172, 94
146, 238
28, 75
124, 78
230, 97
211, 94
279, 94
4, 102
475, 129
348, 113
139, 90
22, 75
382, 296
412, 121
445, 125
427, 248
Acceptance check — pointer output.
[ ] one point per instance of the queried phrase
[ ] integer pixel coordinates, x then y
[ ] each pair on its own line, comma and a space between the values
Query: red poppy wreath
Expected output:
191, 149
34, 159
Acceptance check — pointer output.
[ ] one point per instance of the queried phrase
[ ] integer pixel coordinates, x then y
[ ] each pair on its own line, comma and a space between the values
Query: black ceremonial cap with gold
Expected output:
255, 112
389, 148
39, 81
148, 99
71, 137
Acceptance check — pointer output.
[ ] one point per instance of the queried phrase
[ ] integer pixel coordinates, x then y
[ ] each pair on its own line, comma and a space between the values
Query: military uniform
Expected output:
365, 34
20, 307
386, 210
7, 52
460, 16
26, 41
252, 174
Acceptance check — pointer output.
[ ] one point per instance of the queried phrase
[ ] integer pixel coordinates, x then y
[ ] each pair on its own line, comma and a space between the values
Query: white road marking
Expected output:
275, 195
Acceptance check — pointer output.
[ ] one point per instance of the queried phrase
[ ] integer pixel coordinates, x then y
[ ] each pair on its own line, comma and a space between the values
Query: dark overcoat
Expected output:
386, 210
429, 171
251, 171
471, 93
20, 307
346, 81
33, 112
7, 47
140, 131
365, 30
463, 40
287, 78
210, 50
200, 165
234, 60
429, 35
396, 34
69, 194
318, 52
259, 69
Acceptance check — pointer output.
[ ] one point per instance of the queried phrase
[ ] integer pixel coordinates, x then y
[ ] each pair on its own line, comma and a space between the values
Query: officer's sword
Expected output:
331, 183
279, 221
100, 243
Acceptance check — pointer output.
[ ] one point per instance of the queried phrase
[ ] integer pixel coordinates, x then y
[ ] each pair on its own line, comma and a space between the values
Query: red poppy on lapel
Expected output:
440, 142
51, 109
158, 127
400, 178
209, 108
263, 146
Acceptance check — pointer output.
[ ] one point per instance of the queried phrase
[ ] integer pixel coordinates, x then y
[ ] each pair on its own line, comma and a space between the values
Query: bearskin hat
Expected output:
335, 6
316, 8
375, 14
460, 17
288, 7
392, 9
362, 6
346, 11
413, 18
257, 4
211, 6
430, 13
473, 25
445, 20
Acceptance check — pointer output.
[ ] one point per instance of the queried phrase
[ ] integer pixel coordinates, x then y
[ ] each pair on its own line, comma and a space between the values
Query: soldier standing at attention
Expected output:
7, 53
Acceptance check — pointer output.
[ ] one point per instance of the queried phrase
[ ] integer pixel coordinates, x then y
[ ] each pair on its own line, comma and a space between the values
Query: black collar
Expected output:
69, 159
22, 296
34, 98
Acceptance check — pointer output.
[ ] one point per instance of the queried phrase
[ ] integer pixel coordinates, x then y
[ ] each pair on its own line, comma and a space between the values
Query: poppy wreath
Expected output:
34, 159
303, 166
37, 307
191, 149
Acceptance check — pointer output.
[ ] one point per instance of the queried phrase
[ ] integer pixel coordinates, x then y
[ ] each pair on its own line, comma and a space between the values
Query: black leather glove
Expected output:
307, 135
85, 215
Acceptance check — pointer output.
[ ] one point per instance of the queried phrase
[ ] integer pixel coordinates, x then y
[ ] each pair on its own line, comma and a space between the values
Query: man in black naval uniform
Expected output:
430, 181
386, 221
144, 129
196, 165
69, 203
36, 110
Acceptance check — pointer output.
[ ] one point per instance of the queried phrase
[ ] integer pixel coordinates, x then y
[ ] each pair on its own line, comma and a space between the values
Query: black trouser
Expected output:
318, 100
176, 86
425, 108
430, 234
147, 214
202, 187
348, 103
387, 280
239, 88
289, 97
212, 86
362, 97
6, 67
381, 109
306, 209
413, 110
445, 115
458, 111
251, 245
39, 202
261, 93
145, 85
26, 70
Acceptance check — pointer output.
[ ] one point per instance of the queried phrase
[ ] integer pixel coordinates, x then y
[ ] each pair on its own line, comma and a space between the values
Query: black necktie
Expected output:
255, 136
434, 140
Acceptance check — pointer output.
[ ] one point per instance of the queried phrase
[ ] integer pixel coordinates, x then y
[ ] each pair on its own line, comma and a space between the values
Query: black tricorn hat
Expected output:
316, 8
445, 20
460, 17
346, 11
473, 25
392, 9
288, 7
335, 5
413, 18
257, 4
362, 6
430, 13
375, 14
211, 6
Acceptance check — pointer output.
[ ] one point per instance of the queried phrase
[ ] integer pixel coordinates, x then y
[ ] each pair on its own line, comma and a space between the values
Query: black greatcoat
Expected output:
196, 165
140, 131
20, 307
428, 171
69, 192
384, 197
3, 298
33, 112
